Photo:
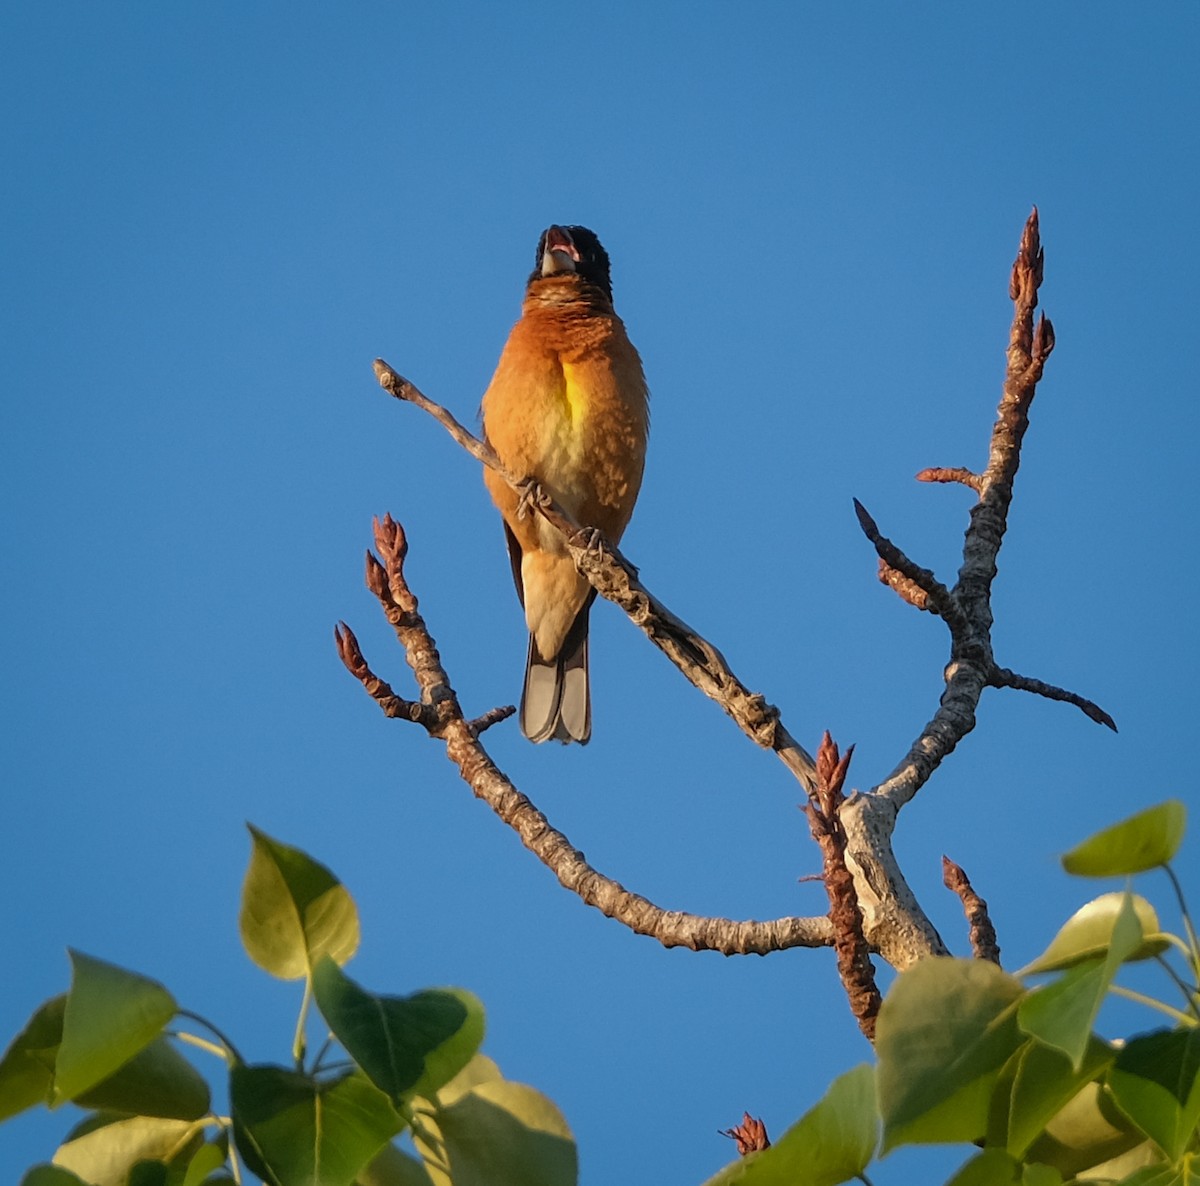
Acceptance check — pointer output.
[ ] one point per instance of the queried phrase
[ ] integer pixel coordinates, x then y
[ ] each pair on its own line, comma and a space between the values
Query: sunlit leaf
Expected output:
1088, 933
831, 1143
110, 1015
1185, 1173
294, 1130
1143, 841
1089, 1131
294, 910
404, 1044
27, 1068
103, 1153
945, 1030
1156, 1083
1061, 1013
504, 1134
205, 1161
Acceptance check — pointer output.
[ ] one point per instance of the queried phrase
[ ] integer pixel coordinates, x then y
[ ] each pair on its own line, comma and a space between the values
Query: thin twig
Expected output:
972, 666
440, 714
615, 579
982, 933
938, 596
1001, 677
959, 474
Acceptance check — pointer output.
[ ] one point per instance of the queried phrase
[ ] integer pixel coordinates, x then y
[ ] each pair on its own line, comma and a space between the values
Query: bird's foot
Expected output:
591, 538
530, 495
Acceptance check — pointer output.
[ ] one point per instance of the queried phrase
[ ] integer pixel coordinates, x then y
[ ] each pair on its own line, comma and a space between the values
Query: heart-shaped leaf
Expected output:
1088, 933
1143, 841
110, 1015
406, 1045
293, 1130
1156, 1083
831, 1143
294, 911
945, 1030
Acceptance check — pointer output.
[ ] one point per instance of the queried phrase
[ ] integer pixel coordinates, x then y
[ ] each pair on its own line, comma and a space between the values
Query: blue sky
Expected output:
216, 216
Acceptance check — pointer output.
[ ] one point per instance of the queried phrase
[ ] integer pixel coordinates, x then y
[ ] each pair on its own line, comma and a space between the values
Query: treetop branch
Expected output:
615, 579
439, 713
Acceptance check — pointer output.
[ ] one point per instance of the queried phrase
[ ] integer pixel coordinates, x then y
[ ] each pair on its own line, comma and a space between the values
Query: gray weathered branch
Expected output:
893, 922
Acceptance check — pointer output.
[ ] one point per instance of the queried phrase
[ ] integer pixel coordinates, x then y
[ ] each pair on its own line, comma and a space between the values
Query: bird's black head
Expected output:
573, 249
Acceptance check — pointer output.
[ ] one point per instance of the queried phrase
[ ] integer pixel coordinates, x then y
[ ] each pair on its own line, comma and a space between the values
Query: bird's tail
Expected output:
556, 703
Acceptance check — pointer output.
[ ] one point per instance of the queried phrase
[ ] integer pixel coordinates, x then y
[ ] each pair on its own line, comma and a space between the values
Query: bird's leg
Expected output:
530, 494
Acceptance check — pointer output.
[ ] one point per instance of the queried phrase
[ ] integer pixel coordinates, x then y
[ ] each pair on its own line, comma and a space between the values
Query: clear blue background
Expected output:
215, 216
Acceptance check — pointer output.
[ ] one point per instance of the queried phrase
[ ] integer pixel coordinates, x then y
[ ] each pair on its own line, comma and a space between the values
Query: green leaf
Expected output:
110, 1015
157, 1081
1088, 933
503, 1134
992, 1167
480, 1069
293, 1130
405, 1045
51, 1175
27, 1068
104, 1150
1045, 1082
393, 1167
147, 1173
945, 1030
1143, 841
1156, 1083
1088, 1132
294, 911
1186, 1173
1061, 1014
1040, 1175
206, 1161
833, 1142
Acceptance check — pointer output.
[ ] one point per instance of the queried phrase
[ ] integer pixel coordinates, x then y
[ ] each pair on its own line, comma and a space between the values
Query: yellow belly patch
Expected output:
575, 393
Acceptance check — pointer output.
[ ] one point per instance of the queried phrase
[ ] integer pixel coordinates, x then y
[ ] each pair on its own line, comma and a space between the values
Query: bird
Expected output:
567, 408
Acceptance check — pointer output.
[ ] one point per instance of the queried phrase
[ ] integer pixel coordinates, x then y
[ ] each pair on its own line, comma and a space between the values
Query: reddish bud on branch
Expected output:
751, 1135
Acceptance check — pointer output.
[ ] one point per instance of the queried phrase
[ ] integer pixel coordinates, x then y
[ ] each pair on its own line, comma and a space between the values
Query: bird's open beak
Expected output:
559, 253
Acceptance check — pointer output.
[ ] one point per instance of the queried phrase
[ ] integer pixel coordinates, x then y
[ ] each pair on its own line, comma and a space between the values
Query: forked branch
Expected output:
892, 922
439, 713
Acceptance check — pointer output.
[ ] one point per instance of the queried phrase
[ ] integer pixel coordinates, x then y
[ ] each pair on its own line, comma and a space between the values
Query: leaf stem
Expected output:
1189, 993
1187, 920
298, 1043
1142, 999
230, 1051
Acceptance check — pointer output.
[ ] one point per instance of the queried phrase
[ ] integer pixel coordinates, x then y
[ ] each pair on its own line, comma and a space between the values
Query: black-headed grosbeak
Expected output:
568, 408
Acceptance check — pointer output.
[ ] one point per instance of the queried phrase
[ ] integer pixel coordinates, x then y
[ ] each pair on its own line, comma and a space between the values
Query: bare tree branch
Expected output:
615, 579
983, 934
972, 666
937, 596
853, 952
892, 921
439, 713
1003, 678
